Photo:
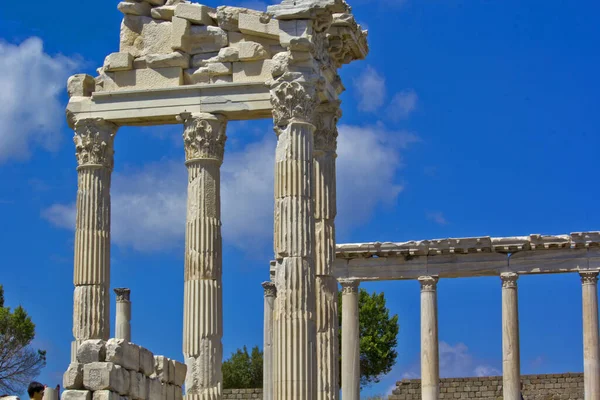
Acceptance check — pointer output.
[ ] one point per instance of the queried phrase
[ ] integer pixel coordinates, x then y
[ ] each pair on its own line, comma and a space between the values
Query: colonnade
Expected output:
430, 368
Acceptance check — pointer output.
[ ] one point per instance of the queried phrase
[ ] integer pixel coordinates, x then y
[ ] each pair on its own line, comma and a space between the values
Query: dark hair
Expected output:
33, 388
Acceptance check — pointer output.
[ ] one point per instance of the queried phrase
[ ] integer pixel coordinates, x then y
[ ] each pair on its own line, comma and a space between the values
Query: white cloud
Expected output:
403, 104
437, 217
148, 212
370, 88
31, 113
455, 362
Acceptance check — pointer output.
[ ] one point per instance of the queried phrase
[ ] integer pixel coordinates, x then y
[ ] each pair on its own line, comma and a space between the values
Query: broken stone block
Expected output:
229, 54
252, 51
76, 395
175, 59
191, 79
105, 395
156, 36
179, 372
156, 391
252, 71
118, 62
73, 377
93, 350
131, 40
221, 79
294, 29
144, 78
81, 85
170, 392
134, 8
120, 352
162, 369
146, 361
206, 39
180, 38
138, 386
200, 60
106, 376
228, 16
157, 2
252, 24
165, 13
140, 63
195, 13
178, 393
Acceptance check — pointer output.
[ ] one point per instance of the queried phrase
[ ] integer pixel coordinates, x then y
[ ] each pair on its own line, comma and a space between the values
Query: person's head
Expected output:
36, 391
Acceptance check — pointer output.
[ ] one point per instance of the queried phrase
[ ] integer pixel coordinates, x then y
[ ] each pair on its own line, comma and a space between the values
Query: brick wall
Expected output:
535, 387
242, 394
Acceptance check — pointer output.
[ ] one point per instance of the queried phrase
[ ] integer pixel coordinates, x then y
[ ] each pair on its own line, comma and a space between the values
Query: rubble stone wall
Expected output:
535, 387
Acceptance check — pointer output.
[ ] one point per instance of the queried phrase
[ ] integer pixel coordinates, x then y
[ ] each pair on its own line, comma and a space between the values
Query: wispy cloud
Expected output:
403, 104
149, 203
437, 217
370, 89
31, 114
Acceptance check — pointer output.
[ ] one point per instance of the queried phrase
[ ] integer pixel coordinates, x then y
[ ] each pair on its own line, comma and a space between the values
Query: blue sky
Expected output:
467, 118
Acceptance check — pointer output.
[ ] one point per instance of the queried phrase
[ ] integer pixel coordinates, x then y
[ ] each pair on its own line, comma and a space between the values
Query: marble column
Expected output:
326, 284
511, 359
51, 394
94, 139
293, 112
270, 295
430, 359
350, 341
123, 314
591, 348
204, 139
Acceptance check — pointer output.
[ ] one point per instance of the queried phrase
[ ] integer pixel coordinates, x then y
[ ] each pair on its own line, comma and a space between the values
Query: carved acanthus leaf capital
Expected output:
509, 279
204, 136
589, 277
293, 101
428, 283
270, 289
326, 133
123, 294
94, 140
349, 286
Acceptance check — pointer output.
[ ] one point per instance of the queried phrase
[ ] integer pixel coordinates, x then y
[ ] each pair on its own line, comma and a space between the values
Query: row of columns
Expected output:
430, 375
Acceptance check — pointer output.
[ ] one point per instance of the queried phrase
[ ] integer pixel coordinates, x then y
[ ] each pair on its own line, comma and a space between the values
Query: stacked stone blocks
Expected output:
119, 370
535, 387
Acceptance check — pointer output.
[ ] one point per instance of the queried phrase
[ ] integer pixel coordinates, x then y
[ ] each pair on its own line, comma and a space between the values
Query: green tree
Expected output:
378, 337
19, 363
243, 371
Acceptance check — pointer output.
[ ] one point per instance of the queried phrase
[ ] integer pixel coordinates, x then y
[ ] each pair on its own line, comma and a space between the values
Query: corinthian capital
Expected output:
589, 277
204, 136
94, 139
293, 101
270, 289
349, 286
326, 134
123, 294
428, 283
509, 279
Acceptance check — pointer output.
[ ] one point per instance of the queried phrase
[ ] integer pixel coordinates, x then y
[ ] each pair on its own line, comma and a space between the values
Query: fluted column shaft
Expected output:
204, 140
94, 139
326, 284
293, 108
430, 361
123, 314
591, 348
270, 295
350, 341
511, 358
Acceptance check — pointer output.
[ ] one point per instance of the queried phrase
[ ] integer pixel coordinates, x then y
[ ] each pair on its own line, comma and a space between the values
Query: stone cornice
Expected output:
94, 141
204, 136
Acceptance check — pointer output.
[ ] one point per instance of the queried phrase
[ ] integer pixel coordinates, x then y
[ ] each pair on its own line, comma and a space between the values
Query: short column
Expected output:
123, 314
94, 139
511, 359
430, 363
204, 139
591, 349
270, 294
350, 341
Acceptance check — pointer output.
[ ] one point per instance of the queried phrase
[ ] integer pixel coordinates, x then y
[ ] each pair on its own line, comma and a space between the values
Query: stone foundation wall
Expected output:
535, 387
243, 394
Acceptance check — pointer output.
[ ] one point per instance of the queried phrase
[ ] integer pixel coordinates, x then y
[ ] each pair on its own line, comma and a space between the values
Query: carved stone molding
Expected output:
94, 140
204, 136
509, 279
293, 101
270, 289
122, 294
326, 133
589, 277
428, 283
349, 286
